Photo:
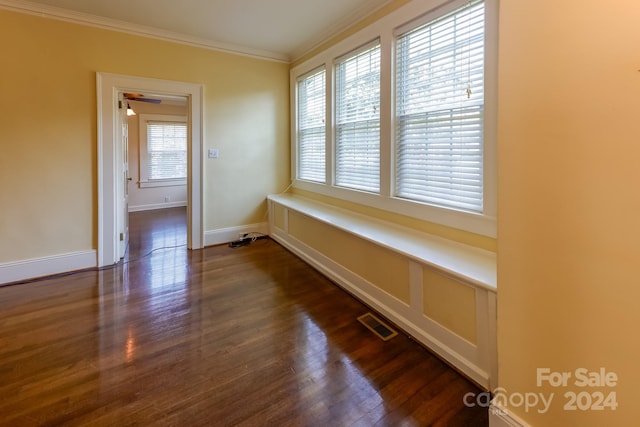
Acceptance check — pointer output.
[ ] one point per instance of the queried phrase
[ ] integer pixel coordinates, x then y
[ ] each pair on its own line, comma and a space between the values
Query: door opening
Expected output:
156, 159
109, 87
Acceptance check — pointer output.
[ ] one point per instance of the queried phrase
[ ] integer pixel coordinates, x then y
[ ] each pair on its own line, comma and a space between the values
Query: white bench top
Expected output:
476, 266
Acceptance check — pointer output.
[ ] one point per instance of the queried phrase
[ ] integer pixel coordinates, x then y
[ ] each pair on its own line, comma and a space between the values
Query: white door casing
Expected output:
109, 86
122, 176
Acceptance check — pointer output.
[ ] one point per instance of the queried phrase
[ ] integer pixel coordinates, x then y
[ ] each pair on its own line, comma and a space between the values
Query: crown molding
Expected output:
339, 27
51, 12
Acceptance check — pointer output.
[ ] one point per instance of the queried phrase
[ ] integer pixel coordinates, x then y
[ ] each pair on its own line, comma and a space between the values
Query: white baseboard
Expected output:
138, 208
46, 266
225, 235
500, 417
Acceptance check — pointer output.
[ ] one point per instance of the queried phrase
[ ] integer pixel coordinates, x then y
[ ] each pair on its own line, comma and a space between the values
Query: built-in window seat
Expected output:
442, 293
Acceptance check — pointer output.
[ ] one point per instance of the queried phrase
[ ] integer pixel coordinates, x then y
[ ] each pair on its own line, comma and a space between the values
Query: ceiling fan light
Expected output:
130, 111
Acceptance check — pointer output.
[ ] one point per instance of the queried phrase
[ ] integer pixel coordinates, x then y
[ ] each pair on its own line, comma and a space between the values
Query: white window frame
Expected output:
415, 13
144, 180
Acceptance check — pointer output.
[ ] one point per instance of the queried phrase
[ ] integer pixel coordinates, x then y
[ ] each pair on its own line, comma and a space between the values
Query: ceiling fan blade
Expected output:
140, 97
150, 100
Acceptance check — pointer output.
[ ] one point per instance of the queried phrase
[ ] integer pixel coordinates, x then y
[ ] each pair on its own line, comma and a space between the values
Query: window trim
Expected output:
386, 29
143, 180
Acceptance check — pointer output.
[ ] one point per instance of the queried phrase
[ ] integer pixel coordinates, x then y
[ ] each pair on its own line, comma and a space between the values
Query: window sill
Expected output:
162, 183
484, 225
475, 266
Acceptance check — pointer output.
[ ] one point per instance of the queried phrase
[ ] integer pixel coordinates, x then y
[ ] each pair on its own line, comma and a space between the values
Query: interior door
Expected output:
122, 164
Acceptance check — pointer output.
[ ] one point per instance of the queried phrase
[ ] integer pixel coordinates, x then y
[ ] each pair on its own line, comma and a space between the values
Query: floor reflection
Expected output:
166, 270
145, 299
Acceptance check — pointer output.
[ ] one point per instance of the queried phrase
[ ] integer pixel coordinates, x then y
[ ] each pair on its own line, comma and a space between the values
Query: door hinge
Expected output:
120, 105
121, 237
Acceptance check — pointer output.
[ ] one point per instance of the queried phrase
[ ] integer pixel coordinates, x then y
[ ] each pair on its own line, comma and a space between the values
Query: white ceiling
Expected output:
276, 29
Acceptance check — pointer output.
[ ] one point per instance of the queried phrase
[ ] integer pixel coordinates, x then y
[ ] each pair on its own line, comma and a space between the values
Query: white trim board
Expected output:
226, 235
154, 206
500, 417
46, 266
476, 266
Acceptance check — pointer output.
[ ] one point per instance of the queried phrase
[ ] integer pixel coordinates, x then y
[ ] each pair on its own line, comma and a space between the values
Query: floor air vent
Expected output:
377, 326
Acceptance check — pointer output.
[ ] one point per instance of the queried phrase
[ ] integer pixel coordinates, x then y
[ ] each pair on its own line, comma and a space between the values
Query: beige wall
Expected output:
569, 201
48, 165
141, 198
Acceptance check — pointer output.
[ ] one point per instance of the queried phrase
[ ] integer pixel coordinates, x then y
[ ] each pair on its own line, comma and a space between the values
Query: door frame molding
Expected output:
108, 86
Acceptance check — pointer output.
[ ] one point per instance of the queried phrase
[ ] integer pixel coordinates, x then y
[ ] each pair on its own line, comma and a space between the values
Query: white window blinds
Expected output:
166, 150
440, 110
357, 163
311, 127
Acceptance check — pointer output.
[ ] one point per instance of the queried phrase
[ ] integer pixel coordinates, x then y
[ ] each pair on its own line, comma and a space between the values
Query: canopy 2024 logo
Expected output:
585, 399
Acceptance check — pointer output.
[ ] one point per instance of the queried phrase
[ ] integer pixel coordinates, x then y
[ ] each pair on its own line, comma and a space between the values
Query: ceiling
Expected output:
276, 29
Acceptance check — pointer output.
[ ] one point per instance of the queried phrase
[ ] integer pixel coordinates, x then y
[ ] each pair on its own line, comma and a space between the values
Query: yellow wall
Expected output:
569, 201
48, 158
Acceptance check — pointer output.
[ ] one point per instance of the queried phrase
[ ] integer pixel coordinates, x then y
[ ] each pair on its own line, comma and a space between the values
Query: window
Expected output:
163, 150
312, 127
406, 115
440, 110
166, 150
357, 163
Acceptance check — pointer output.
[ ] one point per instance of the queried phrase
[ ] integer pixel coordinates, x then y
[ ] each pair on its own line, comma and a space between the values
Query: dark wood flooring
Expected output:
250, 336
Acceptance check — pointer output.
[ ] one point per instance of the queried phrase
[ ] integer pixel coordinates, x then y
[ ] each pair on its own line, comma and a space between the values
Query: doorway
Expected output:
156, 187
109, 87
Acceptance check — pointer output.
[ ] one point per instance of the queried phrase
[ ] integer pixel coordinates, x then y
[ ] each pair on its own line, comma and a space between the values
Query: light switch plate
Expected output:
214, 153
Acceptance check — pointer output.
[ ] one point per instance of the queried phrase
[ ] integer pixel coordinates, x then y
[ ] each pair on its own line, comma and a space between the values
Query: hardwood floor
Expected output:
250, 336
161, 228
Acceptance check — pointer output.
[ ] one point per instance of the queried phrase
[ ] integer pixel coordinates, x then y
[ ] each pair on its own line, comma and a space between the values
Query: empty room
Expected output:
305, 213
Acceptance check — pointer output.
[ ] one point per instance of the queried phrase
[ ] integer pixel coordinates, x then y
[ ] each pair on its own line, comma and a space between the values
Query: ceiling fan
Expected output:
140, 97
